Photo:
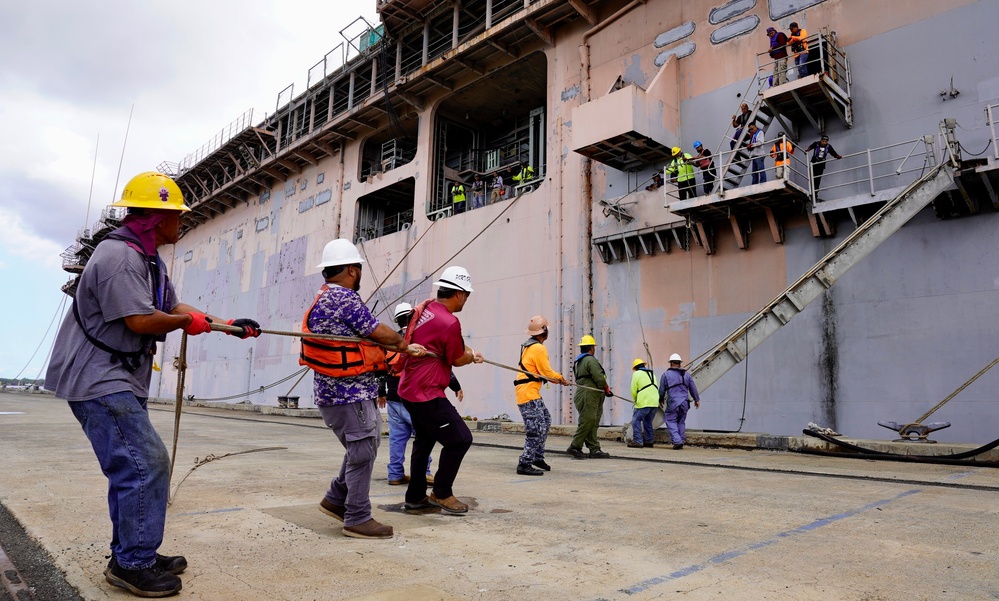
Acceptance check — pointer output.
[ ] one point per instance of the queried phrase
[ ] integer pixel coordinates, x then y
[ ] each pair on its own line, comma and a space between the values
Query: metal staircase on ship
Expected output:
713, 364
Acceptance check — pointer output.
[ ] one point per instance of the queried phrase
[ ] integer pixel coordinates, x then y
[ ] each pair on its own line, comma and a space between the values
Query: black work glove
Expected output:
250, 328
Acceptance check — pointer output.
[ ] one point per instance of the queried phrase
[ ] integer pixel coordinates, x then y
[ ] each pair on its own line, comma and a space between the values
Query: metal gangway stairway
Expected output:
713, 364
738, 163
825, 89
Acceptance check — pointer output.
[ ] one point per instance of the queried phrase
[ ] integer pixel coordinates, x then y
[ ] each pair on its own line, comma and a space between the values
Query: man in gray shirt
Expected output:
102, 364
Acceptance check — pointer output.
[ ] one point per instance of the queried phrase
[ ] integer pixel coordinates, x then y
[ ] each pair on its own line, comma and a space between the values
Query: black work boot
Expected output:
149, 582
598, 454
175, 564
575, 453
527, 470
541, 464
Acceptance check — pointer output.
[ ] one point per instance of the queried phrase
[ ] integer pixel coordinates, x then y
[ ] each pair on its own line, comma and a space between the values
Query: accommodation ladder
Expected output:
713, 364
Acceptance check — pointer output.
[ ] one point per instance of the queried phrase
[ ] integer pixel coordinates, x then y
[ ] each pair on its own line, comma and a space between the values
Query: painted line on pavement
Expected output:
729, 555
230, 510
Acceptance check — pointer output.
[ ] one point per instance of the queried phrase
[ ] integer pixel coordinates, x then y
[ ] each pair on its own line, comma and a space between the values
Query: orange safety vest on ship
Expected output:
340, 359
781, 152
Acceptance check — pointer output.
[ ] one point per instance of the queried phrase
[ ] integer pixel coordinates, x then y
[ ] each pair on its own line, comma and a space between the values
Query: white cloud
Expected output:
19, 241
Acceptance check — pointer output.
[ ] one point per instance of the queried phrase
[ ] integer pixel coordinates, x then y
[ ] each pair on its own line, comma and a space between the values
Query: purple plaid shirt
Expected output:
341, 312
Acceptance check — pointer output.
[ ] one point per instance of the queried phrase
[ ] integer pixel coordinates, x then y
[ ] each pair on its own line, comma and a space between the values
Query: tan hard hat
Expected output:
537, 325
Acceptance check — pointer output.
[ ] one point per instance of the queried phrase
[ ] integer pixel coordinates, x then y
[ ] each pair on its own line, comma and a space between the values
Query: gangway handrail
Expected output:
713, 364
991, 112
867, 166
831, 59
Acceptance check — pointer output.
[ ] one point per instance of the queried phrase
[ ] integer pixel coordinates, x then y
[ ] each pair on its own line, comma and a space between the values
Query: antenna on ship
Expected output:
122, 159
93, 173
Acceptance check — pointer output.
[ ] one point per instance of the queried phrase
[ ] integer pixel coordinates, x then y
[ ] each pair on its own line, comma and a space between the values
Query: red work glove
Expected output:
250, 328
607, 391
200, 323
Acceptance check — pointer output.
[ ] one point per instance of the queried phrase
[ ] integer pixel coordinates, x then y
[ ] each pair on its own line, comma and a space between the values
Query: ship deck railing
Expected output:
823, 56
868, 176
874, 174
792, 187
991, 114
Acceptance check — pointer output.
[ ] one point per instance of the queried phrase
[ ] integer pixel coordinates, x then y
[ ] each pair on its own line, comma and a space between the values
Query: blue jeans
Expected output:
676, 421
135, 460
759, 170
641, 420
801, 61
400, 430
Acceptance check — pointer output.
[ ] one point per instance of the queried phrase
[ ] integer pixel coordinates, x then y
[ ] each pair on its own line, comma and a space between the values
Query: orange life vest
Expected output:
336, 358
394, 361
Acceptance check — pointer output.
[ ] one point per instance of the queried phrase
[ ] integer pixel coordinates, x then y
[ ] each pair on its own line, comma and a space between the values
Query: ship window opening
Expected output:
388, 149
386, 211
495, 126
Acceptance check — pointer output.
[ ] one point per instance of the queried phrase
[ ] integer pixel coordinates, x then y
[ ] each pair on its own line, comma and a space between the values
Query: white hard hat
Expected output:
340, 252
675, 357
537, 325
402, 309
455, 278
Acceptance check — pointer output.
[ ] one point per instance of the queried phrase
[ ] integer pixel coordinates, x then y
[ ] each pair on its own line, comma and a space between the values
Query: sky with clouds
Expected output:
72, 72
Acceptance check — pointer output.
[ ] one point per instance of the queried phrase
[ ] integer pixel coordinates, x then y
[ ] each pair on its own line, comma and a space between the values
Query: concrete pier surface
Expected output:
698, 524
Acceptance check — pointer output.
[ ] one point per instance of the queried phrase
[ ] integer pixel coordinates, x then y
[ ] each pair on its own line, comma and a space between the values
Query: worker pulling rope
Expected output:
231, 329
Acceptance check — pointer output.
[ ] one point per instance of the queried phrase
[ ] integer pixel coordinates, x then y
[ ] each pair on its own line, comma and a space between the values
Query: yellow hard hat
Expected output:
677, 150
587, 341
637, 362
152, 190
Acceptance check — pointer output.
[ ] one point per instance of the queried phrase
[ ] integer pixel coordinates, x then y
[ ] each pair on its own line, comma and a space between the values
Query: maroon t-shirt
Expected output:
425, 378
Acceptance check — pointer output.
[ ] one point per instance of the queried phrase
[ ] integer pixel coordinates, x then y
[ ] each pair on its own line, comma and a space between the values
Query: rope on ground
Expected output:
875, 454
212, 457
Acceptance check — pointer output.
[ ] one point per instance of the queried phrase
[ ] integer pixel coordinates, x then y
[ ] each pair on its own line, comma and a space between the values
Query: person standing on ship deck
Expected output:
125, 300
820, 151
778, 52
781, 152
498, 189
706, 163
758, 154
739, 123
421, 388
478, 192
537, 419
799, 46
346, 384
458, 197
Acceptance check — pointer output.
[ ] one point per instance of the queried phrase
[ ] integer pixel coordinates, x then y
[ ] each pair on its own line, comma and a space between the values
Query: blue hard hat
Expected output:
697, 143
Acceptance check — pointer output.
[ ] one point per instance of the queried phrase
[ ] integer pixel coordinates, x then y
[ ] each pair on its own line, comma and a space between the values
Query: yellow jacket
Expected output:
644, 391
534, 358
